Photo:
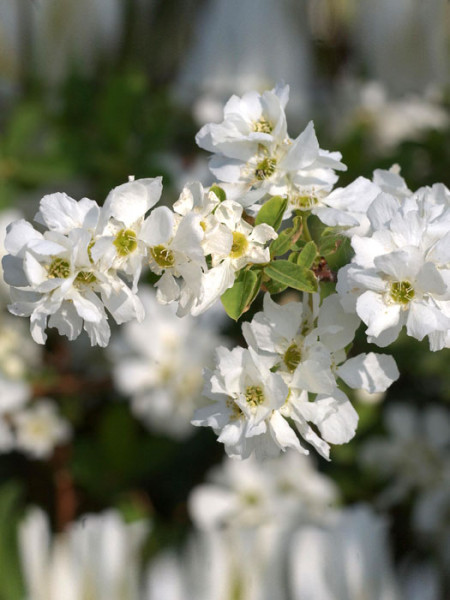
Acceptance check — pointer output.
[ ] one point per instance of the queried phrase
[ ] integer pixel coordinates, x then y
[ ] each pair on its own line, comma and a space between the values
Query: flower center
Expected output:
125, 242
239, 246
163, 257
85, 277
254, 395
59, 268
265, 168
262, 126
402, 292
303, 202
292, 357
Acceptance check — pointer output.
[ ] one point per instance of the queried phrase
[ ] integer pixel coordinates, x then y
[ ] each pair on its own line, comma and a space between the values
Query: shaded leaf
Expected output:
272, 212
239, 297
308, 255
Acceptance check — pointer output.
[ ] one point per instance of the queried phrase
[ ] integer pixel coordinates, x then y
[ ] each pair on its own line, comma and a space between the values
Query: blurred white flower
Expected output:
250, 493
19, 355
96, 558
6, 437
159, 363
415, 454
420, 581
6, 217
431, 516
39, 428
348, 560
388, 120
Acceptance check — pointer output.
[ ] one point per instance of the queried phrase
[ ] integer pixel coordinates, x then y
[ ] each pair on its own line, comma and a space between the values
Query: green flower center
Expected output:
85, 277
303, 202
254, 395
265, 168
402, 292
292, 357
239, 246
125, 242
263, 126
59, 268
163, 257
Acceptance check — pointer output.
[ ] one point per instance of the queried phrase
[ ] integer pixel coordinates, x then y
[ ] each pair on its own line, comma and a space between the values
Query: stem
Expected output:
306, 233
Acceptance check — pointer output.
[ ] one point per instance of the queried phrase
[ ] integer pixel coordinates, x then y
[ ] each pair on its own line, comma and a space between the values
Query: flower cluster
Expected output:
69, 274
400, 274
253, 152
32, 426
289, 373
225, 242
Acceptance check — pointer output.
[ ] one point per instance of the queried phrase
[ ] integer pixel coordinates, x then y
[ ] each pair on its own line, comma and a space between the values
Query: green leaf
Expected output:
274, 287
292, 275
239, 297
282, 244
329, 244
272, 212
308, 255
219, 192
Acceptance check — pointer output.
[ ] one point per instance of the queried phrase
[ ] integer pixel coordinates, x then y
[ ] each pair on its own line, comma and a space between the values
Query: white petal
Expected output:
303, 151
18, 235
283, 434
371, 372
336, 418
376, 314
158, 228
424, 318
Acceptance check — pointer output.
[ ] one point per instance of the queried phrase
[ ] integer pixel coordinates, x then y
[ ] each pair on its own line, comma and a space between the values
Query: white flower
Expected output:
174, 251
7, 440
245, 414
123, 226
54, 278
217, 237
39, 428
400, 274
96, 557
347, 560
6, 217
254, 153
346, 208
430, 517
249, 122
311, 359
251, 493
159, 363
236, 244
415, 453
391, 182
